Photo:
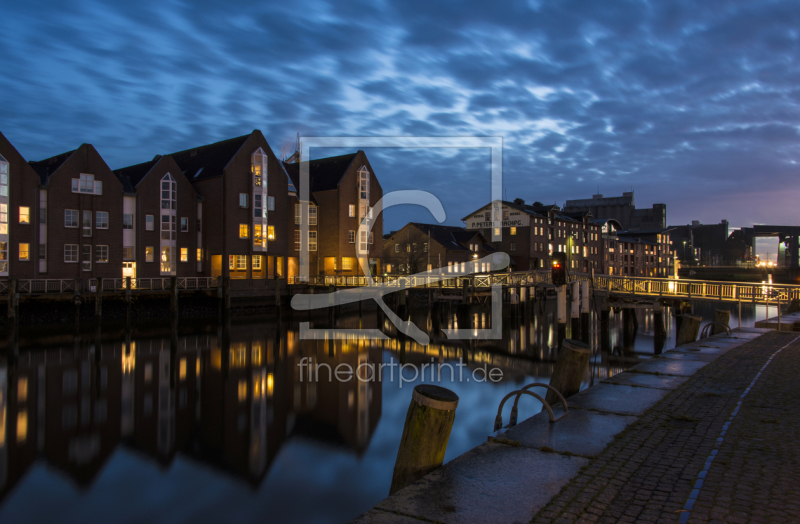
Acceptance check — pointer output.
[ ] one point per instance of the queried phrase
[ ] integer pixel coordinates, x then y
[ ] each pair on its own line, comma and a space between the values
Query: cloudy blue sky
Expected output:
694, 104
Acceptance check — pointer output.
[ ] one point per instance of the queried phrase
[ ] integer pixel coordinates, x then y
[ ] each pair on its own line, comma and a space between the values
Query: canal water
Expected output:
223, 423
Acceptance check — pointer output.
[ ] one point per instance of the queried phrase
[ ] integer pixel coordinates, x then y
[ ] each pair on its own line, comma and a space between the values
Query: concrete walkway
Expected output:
672, 439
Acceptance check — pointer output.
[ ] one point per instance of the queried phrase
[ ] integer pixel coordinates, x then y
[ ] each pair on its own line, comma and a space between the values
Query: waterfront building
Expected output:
343, 189
162, 221
427, 247
80, 217
700, 243
21, 226
531, 233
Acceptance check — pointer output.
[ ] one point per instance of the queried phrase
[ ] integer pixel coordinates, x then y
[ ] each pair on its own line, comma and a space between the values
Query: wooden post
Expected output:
690, 328
12, 291
425, 434
98, 300
720, 315
659, 328
173, 296
561, 299
571, 364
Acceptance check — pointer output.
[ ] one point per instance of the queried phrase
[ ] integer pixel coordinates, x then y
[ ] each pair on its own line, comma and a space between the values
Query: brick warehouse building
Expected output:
427, 247
80, 212
161, 230
244, 232
532, 233
19, 215
346, 189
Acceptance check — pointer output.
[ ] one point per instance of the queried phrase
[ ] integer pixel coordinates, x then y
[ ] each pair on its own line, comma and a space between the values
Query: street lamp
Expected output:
684, 250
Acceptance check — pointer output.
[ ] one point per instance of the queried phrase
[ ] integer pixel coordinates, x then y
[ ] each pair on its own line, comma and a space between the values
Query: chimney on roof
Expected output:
519, 201
695, 222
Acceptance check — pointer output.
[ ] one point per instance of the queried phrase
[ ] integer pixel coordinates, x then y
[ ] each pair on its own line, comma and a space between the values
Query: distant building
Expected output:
622, 209
703, 243
531, 233
427, 247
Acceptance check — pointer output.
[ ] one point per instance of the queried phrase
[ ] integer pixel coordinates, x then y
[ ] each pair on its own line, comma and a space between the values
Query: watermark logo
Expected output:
374, 290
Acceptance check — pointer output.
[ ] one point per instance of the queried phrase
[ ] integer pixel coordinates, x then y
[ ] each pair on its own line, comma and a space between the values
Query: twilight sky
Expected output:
693, 104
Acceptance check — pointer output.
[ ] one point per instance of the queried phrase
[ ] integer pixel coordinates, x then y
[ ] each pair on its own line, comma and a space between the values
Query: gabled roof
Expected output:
324, 173
539, 212
48, 166
209, 161
646, 231
131, 176
449, 237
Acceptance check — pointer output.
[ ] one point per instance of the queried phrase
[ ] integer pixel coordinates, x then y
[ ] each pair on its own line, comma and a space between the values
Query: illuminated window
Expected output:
242, 390
347, 264
513, 230
244, 231
351, 211
270, 384
182, 369
497, 231
127, 253
184, 254
148, 254
24, 215
257, 262
241, 262
24, 253
270, 232
166, 259
259, 167
22, 426
22, 389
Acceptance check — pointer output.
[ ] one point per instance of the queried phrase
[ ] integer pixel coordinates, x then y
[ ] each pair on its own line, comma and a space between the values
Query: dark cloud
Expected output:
694, 104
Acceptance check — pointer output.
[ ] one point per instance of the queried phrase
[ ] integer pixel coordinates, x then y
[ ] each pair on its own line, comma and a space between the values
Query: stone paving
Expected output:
633, 447
649, 471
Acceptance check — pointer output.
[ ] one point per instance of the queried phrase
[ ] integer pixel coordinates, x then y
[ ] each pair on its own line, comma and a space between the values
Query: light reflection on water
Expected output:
216, 424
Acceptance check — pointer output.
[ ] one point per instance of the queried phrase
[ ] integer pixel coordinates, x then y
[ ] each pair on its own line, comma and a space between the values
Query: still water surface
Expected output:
215, 423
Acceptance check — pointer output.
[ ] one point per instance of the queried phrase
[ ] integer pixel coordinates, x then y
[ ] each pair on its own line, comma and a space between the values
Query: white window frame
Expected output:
127, 221
243, 200
312, 240
149, 222
312, 215
351, 210
101, 254
87, 185
97, 222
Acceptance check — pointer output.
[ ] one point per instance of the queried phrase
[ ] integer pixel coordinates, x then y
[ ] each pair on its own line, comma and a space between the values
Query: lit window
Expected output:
149, 222
257, 262
312, 240
24, 252
166, 259
22, 426
70, 252
513, 230
127, 253
259, 167
182, 369
351, 237
297, 214
101, 253
244, 231
241, 262
22, 389
184, 224
270, 203
242, 199
127, 221
242, 390
270, 232
70, 218
148, 254
24, 215
347, 263
184, 254
497, 231
351, 211
101, 220
199, 254
312, 215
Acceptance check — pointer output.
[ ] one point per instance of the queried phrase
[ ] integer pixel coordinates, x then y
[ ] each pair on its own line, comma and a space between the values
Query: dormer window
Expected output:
87, 184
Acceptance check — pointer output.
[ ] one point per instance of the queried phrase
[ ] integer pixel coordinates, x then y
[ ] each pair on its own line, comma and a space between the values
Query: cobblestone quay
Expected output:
695, 457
